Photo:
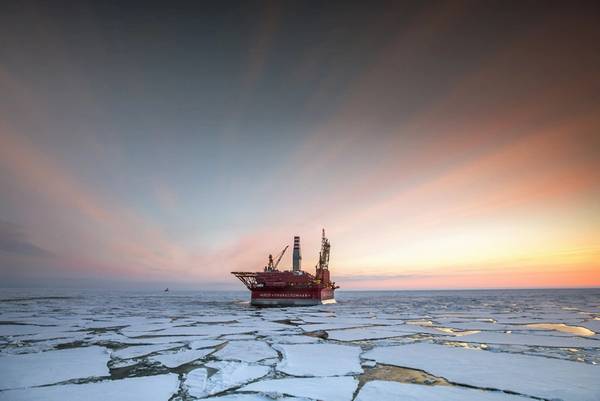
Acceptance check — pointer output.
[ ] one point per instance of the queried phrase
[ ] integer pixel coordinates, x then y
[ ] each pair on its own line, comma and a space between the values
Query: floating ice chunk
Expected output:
392, 391
213, 330
229, 375
159, 340
330, 326
141, 350
175, 359
148, 388
593, 325
51, 333
530, 340
23, 329
530, 375
577, 330
294, 339
254, 397
378, 332
246, 351
319, 359
318, 388
213, 319
239, 337
197, 344
52, 367
145, 329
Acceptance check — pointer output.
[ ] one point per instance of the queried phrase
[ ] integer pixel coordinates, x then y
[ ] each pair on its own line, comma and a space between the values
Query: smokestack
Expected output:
296, 258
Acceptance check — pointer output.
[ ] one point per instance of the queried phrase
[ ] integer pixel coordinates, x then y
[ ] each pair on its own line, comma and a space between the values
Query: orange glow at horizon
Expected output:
477, 167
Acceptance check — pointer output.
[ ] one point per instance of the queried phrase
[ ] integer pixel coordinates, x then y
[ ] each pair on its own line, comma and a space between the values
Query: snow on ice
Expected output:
52, 367
148, 388
393, 391
246, 351
530, 375
229, 375
318, 388
319, 359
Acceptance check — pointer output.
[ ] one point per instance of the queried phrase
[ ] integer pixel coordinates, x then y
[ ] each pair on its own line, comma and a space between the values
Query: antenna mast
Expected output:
324, 254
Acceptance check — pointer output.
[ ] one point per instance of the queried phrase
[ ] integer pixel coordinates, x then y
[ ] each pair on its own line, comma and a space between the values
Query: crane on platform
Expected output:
272, 266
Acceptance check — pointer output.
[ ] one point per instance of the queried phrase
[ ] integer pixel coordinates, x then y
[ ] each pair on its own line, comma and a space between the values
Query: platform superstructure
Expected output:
273, 287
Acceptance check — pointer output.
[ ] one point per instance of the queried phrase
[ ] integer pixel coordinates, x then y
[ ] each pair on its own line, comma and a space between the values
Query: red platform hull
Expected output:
290, 296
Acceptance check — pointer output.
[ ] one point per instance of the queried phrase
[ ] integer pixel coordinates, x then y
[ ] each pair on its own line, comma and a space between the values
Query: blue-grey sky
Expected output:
440, 143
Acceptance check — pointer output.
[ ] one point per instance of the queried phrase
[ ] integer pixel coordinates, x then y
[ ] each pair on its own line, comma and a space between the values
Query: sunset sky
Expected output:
441, 144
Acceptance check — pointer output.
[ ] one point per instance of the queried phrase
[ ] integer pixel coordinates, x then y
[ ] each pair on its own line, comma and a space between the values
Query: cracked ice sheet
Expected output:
141, 350
542, 340
319, 359
197, 344
374, 333
318, 388
530, 375
213, 330
293, 339
176, 359
392, 391
22, 329
148, 388
229, 375
246, 351
254, 397
52, 367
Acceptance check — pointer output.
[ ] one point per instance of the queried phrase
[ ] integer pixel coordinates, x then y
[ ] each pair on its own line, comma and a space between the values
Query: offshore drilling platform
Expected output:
273, 287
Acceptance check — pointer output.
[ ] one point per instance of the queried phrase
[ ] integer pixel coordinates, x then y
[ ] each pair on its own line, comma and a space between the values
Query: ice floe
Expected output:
197, 344
530, 375
530, 340
393, 391
318, 388
213, 330
319, 359
254, 397
378, 332
293, 339
246, 351
52, 367
141, 350
176, 359
229, 375
148, 388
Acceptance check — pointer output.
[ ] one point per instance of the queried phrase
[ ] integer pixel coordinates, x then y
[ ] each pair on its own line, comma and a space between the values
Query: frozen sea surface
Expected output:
184, 346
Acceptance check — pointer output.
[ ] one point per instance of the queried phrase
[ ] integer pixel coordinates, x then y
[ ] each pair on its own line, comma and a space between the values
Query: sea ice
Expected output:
530, 340
213, 330
378, 332
393, 391
254, 397
52, 366
293, 339
229, 375
141, 350
318, 388
319, 359
23, 329
239, 337
197, 344
246, 351
530, 375
175, 359
148, 388
593, 325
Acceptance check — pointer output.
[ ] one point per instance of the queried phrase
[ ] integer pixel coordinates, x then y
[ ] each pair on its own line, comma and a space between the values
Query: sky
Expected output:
442, 145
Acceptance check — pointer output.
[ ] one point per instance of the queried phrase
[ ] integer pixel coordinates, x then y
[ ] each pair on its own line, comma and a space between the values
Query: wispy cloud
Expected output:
13, 240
